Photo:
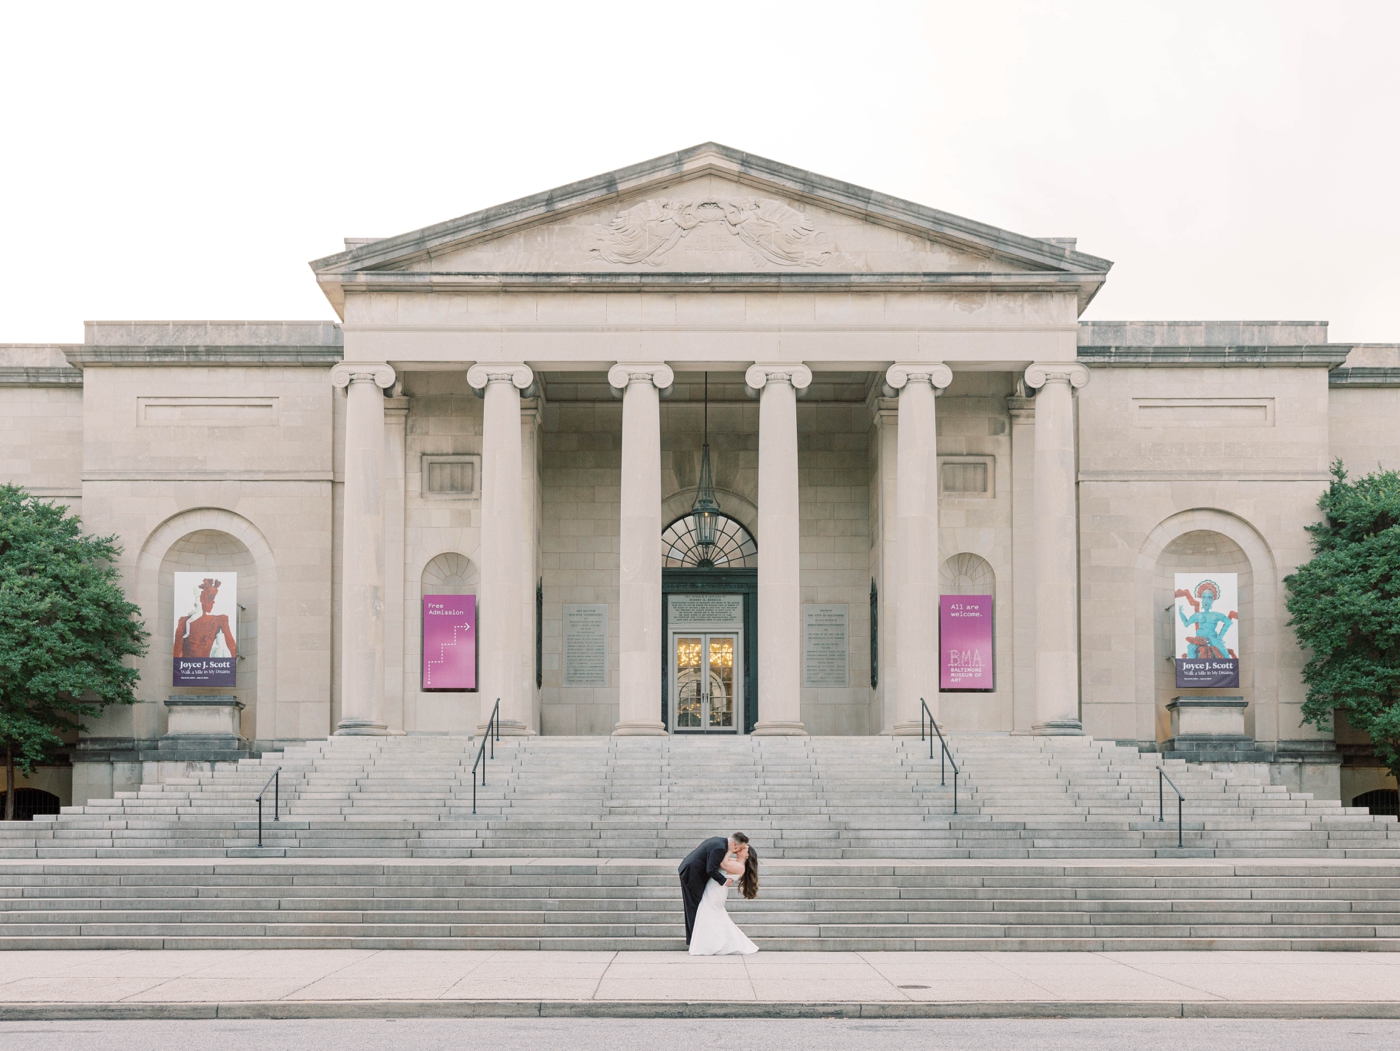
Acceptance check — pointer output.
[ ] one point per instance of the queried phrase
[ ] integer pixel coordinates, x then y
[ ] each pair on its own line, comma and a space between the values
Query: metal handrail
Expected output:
1161, 803
947, 755
481, 757
276, 782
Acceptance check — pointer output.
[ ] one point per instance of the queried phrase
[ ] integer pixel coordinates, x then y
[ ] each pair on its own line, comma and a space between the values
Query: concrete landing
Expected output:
406, 984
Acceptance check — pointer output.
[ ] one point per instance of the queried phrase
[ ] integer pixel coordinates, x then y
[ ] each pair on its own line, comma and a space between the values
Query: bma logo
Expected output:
971, 660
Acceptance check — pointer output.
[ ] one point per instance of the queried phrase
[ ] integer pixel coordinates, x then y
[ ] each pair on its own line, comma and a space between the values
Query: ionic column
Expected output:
362, 571
779, 567
917, 550
639, 563
1056, 548
499, 618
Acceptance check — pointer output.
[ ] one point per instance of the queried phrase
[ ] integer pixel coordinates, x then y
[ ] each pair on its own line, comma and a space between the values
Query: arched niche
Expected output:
967, 574
431, 711
1208, 541
449, 573
213, 540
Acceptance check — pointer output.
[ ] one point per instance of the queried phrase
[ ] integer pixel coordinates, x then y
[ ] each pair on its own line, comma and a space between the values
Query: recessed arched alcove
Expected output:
199, 540
220, 555
1205, 540
436, 711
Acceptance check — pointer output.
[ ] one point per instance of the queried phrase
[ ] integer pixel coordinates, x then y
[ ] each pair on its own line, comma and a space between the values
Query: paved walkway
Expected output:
267, 983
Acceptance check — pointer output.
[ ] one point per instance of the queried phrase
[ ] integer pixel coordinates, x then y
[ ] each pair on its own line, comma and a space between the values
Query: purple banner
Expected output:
449, 642
965, 642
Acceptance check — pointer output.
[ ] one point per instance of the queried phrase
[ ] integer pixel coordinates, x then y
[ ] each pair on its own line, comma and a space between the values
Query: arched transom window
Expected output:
734, 547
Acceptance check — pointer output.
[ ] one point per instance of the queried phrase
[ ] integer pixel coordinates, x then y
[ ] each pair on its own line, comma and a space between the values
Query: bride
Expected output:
715, 933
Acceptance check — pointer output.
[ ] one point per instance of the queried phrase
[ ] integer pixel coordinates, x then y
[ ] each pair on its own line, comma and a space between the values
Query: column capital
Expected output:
658, 373
795, 373
1071, 372
517, 373
347, 372
934, 373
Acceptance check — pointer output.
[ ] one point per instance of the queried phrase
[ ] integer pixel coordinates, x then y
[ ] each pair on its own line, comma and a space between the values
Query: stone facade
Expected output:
513, 404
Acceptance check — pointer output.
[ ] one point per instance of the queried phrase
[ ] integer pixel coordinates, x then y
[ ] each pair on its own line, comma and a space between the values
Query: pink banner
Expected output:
449, 642
965, 642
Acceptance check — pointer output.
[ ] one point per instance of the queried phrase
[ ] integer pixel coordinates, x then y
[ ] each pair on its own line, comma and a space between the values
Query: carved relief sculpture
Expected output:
645, 232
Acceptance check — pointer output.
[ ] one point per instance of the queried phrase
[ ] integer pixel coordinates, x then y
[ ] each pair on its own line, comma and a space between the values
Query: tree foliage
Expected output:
65, 629
1345, 606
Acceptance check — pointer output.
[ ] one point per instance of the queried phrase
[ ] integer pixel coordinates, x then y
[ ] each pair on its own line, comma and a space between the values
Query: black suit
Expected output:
699, 867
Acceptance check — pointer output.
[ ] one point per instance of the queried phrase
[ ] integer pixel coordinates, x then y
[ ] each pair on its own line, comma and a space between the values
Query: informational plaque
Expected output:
965, 642
826, 646
449, 642
586, 644
205, 651
1207, 631
716, 611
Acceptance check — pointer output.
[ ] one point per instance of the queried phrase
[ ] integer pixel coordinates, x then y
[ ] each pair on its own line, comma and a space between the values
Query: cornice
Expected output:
610, 281
1364, 377
277, 357
1328, 355
39, 376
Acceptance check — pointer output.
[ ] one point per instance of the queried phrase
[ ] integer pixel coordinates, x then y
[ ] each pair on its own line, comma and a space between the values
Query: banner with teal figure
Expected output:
1207, 631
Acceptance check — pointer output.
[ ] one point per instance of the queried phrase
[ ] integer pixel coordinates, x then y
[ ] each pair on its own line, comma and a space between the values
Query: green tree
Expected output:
1345, 606
65, 630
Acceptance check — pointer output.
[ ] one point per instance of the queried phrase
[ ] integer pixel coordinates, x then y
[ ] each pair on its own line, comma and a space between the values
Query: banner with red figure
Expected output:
206, 630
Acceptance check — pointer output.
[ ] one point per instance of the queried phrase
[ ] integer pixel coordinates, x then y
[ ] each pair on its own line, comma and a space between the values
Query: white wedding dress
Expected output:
715, 934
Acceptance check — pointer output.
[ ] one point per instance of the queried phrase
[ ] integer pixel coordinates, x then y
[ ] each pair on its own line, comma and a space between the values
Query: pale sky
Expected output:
1235, 160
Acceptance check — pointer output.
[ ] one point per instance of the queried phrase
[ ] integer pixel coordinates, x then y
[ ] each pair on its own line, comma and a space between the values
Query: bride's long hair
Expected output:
748, 882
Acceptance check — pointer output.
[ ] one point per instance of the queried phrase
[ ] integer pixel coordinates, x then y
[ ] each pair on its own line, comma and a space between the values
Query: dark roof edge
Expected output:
39, 376
294, 356
1364, 377
1328, 356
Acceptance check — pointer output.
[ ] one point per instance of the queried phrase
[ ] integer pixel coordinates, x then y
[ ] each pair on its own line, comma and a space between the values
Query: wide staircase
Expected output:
1055, 843
808, 798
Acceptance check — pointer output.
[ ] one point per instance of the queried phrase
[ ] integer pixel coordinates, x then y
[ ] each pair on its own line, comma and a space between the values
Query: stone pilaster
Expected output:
917, 530
395, 616
500, 617
1056, 548
779, 565
1022, 412
362, 616
639, 561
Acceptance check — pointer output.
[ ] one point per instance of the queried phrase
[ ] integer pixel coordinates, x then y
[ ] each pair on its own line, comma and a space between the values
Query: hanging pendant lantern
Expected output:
705, 511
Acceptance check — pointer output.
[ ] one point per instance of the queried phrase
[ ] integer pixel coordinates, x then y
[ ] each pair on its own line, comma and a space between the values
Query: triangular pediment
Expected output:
709, 210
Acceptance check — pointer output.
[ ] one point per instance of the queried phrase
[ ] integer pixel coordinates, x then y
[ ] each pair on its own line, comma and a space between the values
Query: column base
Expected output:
1059, 728
509, 728
779, 729
639, 730
361, 728
910, 730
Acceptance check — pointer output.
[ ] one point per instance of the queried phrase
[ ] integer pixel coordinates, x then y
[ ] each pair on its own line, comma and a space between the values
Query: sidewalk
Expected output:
352, 983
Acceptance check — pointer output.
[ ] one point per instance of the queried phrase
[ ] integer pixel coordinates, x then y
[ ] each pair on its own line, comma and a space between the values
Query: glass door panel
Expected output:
721, 682
708, 672
690, 683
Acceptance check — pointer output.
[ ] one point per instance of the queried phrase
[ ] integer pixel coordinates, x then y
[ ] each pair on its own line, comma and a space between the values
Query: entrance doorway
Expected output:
708, 685
709, 630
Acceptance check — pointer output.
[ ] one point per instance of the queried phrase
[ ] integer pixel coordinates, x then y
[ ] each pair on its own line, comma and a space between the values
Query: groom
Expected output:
702, 865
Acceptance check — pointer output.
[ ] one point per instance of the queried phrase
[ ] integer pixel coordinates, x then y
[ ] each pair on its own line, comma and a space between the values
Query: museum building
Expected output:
706, 445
